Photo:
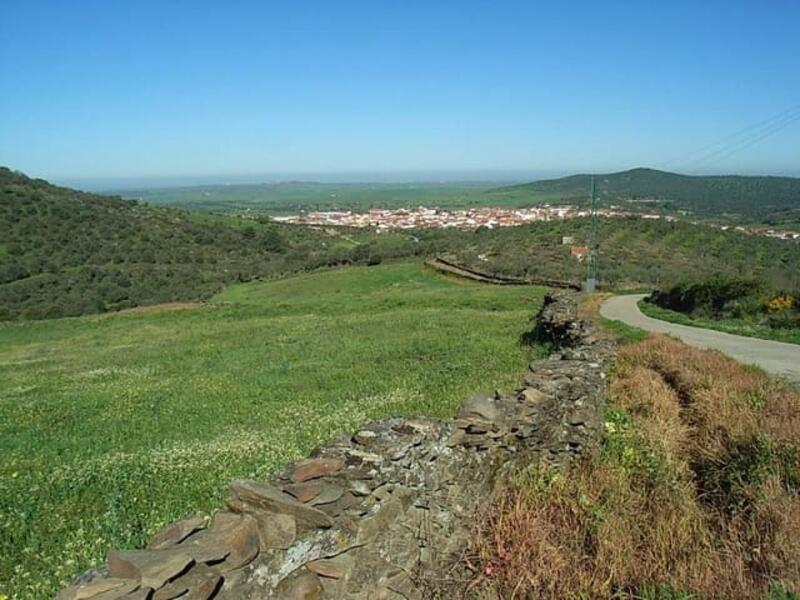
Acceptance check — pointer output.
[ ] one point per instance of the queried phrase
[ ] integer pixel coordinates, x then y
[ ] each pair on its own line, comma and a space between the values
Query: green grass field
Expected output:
292, 197
113, 425
743, 327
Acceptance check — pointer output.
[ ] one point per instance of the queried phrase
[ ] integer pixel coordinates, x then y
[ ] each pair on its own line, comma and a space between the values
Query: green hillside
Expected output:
767, 199
112, 426
67, 253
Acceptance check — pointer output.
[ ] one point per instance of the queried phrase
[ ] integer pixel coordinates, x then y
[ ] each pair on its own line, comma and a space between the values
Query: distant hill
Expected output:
769, 199
67, 253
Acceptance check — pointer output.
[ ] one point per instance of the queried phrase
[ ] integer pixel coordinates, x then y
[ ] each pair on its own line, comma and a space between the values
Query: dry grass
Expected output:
589, 306
694, 495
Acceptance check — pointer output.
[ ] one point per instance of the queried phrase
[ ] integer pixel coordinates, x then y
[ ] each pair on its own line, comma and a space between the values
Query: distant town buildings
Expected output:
422, 217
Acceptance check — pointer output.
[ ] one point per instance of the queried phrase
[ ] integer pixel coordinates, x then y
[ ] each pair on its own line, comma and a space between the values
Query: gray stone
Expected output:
479, 406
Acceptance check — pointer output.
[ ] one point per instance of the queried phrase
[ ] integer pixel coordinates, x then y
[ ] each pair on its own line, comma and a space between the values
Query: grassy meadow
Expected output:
292, 197
736, 326
112, 425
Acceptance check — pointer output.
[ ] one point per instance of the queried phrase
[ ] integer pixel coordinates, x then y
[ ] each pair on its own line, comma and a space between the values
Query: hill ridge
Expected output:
770, 199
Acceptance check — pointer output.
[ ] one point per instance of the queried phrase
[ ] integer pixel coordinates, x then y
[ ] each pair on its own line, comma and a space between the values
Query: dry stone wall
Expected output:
385, 513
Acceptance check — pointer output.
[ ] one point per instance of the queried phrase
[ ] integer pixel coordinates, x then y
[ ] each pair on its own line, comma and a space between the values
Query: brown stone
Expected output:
114, 585
141, 594
330, 493
152, 568
346, 500
231, 542
251, 496
462, 438
480, 406
532, 396
371, 527
178, 531
275, 531
365, 437
316, 467
304, 492
403, 585
301, 585
199, 579
206, 590
355, 457
333, 568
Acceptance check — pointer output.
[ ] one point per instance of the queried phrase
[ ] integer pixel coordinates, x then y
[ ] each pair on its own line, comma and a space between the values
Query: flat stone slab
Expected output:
151, 568
316, 467
110, 588
248, 495
178, 531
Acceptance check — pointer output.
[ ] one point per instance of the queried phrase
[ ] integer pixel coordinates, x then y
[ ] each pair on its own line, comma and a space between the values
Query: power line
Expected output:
739, 140
750, 141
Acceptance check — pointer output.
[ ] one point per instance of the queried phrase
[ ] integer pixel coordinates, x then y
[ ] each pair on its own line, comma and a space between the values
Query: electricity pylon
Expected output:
591, 268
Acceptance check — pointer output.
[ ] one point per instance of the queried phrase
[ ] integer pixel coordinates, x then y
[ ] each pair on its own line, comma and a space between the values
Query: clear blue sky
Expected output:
138, 89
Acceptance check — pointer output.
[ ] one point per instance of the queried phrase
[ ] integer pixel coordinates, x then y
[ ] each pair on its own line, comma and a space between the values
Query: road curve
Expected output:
776, 358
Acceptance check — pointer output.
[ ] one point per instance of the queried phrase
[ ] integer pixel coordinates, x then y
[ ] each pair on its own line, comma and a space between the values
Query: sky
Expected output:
101, 91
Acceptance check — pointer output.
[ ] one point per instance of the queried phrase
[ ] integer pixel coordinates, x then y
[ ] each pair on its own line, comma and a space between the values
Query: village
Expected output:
423, 217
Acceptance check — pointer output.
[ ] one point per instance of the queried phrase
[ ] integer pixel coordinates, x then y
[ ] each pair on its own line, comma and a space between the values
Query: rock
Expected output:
480, 406
275, 531
346, 501
333, 568
371, 527
330, 493
205, 591
316, 467
402, 584
531, 396
355, 457
117, 585
243, 541
178, 531
462, 438
303, 585
249, 496
142, 594
152, 568
365, 437
304, 492
359, 488
199, 580
231, 542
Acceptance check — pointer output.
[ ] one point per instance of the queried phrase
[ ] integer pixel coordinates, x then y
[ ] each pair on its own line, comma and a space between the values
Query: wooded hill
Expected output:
772, 200
66, 253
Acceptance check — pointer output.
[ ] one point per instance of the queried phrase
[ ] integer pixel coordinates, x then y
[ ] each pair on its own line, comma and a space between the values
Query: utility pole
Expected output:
591, 269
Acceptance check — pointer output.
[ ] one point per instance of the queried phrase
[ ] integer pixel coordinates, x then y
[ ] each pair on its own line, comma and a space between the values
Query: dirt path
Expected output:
777, 358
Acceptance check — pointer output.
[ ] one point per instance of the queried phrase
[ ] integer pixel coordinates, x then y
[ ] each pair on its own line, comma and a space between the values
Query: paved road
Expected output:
777, 358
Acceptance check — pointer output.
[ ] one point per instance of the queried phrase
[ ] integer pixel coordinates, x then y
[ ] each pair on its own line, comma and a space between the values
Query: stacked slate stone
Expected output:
386, 512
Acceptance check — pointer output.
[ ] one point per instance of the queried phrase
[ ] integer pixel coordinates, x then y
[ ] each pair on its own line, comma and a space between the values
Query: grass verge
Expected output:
735, 326
112, 426
695, 494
